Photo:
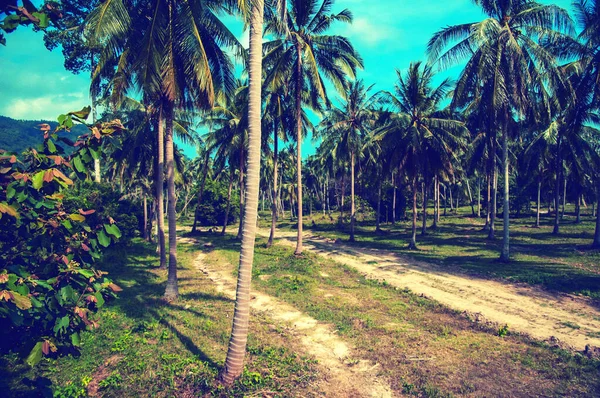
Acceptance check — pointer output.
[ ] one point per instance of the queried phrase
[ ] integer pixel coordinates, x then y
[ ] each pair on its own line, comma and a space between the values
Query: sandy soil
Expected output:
529, 310
343, 376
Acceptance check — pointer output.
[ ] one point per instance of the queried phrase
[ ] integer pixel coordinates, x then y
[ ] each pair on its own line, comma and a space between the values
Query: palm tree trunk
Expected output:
556, 229
299, 146
171, 291
470, 198
445, 201
413, 240
435, 202
241, 182
505, 255
451, 199
234, 362
424, 196
378, 216
564, 203
488, 202
97, 178
274, 207
539, 204
160, 214
352, 210
494, 197
201, 192
578, 219
226, 221
145, 219
596, 243
393, 201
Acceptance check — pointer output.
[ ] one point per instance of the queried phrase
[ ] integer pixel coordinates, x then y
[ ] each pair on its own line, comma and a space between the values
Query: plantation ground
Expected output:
322, 328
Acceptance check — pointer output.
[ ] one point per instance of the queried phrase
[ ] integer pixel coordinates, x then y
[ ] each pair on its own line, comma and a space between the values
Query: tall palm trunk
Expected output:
539, 204
488, 201
424, 195
201, 193
436, 202
564, 198
578, 219
226, 221
556, 229
596, 243
470, 197
160, 211
378, 216
171, 291
97, 178
299, 146
413, 240
274, 205
393, 201
505, 255
241, 182
234, 362
145, 219
494, 196
352, 207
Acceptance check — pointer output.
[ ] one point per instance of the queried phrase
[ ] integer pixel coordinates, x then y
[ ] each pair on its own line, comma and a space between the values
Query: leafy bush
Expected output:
214, 204
108, 203
49, 288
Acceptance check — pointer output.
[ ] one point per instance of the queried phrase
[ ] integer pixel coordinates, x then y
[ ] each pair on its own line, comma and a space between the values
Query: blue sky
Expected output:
388, 34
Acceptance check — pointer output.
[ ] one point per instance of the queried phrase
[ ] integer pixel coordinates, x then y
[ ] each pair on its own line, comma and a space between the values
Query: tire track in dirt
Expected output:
540, 314
318, 339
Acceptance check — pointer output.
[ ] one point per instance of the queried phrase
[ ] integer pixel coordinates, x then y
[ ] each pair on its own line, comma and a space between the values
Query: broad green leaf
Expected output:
103, 239
38, 179
51, 146
35, 356
76, 339
85, 272
113, 230
78, 164
82, 114
22, 302
100, 299
67, 224
77, 217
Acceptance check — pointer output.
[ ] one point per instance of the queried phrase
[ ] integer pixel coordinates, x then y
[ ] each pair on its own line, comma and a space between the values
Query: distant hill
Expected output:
18, 135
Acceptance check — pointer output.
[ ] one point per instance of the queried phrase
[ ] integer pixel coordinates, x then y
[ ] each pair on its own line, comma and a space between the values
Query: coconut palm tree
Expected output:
303, 54
172, 52
347, 126
506, 71
423, 138
234, 363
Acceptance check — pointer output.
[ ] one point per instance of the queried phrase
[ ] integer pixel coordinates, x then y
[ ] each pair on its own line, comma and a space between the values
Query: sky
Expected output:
388, 34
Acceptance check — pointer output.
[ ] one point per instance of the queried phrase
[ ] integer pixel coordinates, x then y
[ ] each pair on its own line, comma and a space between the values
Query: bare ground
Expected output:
343, 378
571, 320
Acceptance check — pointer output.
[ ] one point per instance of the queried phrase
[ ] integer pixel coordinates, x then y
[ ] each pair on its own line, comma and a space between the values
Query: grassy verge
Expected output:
147, 347
561, 263
423, 348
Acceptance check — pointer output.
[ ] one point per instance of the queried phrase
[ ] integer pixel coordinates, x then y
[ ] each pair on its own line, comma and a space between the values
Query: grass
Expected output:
423, 348
562, 263
147, 347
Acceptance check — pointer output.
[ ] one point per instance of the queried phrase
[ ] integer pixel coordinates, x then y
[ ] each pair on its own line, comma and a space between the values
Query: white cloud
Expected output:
46, 107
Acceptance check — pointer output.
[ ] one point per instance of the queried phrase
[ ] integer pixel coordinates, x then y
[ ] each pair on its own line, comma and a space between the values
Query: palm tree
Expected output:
234, 362
305, 55
172, 52
347, 126
507, 70
423, 138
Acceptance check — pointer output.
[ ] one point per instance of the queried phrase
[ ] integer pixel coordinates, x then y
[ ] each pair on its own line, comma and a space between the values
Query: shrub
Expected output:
214, 204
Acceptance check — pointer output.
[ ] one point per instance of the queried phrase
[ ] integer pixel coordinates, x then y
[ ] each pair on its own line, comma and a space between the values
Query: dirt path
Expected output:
540, 314
344, 378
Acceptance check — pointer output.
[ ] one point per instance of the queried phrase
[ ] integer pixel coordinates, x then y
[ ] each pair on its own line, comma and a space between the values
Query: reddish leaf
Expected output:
87, 212
46, 347
85, 247
65, 259
96, 132
48, 176
44, 127
13, 159
115, 288
3, 278
91, 299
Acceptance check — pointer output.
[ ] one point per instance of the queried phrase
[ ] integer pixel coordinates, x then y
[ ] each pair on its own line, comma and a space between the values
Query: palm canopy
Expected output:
164, 48
507, 69
424, 138
302, 46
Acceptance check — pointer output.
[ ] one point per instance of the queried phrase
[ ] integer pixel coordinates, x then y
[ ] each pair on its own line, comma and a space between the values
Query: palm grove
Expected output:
522, 118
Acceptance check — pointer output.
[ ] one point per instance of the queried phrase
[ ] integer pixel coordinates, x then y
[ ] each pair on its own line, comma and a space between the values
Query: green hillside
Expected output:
18, 135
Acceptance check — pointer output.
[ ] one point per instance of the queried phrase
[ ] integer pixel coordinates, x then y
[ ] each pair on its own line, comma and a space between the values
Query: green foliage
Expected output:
503, 331
214, 204
49, 288
18, 135
25, 13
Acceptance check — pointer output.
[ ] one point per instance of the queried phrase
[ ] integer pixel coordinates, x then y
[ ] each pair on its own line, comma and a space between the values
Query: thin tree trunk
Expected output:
488, 201
564, 203
171, 291
160, 215
539, 203
201, 192
596, 242
352, 210
241, 182
478, 197
228, 203
424, 195
145, 219
234, 362
394, 201
378, 216
97, 178
556, 229
435, 202
299, 146
445, 201
578, 220
493, 177
413, 240
505, 255
451, 199
470, 198
275, 167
